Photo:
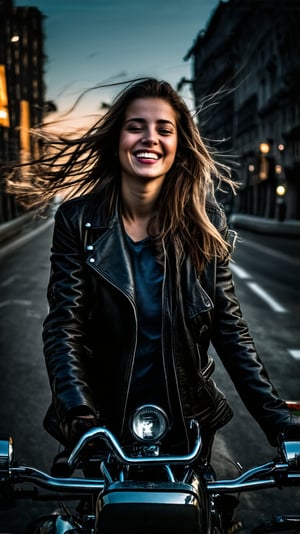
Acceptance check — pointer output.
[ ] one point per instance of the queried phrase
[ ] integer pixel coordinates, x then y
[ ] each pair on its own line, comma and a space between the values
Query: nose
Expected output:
150, 137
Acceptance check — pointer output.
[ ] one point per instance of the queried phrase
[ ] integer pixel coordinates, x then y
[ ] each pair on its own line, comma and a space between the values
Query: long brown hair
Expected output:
82, 164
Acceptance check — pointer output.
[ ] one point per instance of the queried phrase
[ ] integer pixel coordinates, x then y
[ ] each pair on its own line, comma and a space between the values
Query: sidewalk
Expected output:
11, 228
19, 231
260, 225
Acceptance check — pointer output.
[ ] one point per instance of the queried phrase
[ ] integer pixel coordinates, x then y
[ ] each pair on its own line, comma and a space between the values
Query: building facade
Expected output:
246, 83
22, 90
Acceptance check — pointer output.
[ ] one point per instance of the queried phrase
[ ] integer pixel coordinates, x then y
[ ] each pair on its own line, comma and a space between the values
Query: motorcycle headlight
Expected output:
149, 423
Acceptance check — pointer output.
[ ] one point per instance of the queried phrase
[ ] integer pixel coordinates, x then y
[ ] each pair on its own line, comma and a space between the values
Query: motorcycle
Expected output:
141, 489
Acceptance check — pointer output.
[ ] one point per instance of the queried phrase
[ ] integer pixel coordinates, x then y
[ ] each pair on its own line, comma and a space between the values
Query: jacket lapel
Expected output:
109, 257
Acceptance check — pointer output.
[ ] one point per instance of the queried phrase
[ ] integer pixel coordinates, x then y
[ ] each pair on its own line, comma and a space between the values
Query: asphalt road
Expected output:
266, 273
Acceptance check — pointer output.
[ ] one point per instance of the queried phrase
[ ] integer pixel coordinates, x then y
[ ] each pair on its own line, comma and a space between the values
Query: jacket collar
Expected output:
108, 255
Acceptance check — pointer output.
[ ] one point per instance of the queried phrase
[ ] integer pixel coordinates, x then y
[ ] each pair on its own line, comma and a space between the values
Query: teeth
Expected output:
149, 155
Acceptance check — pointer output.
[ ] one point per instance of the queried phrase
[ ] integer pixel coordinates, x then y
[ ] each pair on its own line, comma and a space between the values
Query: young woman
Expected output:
140, 281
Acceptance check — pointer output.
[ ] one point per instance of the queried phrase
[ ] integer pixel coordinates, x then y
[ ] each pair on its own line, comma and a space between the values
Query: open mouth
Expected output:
149, 156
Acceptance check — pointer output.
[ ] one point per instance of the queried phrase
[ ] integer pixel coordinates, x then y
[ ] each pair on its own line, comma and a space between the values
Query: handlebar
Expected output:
284, 471
269, 475
264, 476
105, 435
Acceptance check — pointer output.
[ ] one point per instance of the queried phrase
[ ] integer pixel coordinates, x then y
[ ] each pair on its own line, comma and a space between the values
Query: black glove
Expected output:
291, 432
79, 425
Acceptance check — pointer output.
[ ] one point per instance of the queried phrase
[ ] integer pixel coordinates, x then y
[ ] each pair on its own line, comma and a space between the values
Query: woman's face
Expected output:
148, 140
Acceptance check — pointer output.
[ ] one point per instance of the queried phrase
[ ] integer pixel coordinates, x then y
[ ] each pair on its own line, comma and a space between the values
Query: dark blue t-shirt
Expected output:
148, 385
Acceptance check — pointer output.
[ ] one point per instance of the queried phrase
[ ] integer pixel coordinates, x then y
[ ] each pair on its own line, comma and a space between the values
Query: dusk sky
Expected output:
89, 42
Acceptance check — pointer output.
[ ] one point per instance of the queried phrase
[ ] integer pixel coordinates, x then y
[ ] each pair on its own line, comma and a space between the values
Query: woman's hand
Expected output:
79, 425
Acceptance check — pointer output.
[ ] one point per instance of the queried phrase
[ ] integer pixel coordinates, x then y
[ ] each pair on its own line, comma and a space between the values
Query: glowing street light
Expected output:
281, 190
264, 148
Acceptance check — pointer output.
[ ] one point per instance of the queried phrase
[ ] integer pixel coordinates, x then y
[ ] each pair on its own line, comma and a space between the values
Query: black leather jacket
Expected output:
90, 333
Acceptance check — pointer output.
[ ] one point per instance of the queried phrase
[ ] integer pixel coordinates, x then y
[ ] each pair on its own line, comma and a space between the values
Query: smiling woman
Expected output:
140, 280
147, 150
148, 139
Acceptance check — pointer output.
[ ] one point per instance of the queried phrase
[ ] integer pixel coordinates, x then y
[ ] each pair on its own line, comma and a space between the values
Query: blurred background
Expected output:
237, 65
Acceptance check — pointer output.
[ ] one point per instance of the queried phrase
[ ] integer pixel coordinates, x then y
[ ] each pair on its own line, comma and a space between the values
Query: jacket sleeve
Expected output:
236, 348
64, 326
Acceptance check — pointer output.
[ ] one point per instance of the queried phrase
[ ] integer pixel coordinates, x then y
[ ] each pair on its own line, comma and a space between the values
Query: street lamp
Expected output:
15, 39
264, 148
264, 164
281, 201
281, 190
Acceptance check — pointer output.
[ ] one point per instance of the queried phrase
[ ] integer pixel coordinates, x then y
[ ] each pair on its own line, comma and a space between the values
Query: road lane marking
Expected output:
266, 297
15, 301
239, 271
22, 302
294, 353
33, 313
10, 280
257, 289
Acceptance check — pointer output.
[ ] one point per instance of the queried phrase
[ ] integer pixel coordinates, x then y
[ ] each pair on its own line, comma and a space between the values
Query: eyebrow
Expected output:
141, 120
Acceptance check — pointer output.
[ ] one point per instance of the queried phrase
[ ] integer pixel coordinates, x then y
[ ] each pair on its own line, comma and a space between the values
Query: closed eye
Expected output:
134, 128
165, 131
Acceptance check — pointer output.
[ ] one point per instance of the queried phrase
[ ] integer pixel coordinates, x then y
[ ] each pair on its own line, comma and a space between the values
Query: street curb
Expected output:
290, 228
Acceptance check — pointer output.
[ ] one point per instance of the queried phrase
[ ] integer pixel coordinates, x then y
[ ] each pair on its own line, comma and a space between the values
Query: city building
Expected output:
246, 84
21, 90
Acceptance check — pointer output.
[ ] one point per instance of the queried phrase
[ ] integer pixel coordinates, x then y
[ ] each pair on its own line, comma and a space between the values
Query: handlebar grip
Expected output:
292, 432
